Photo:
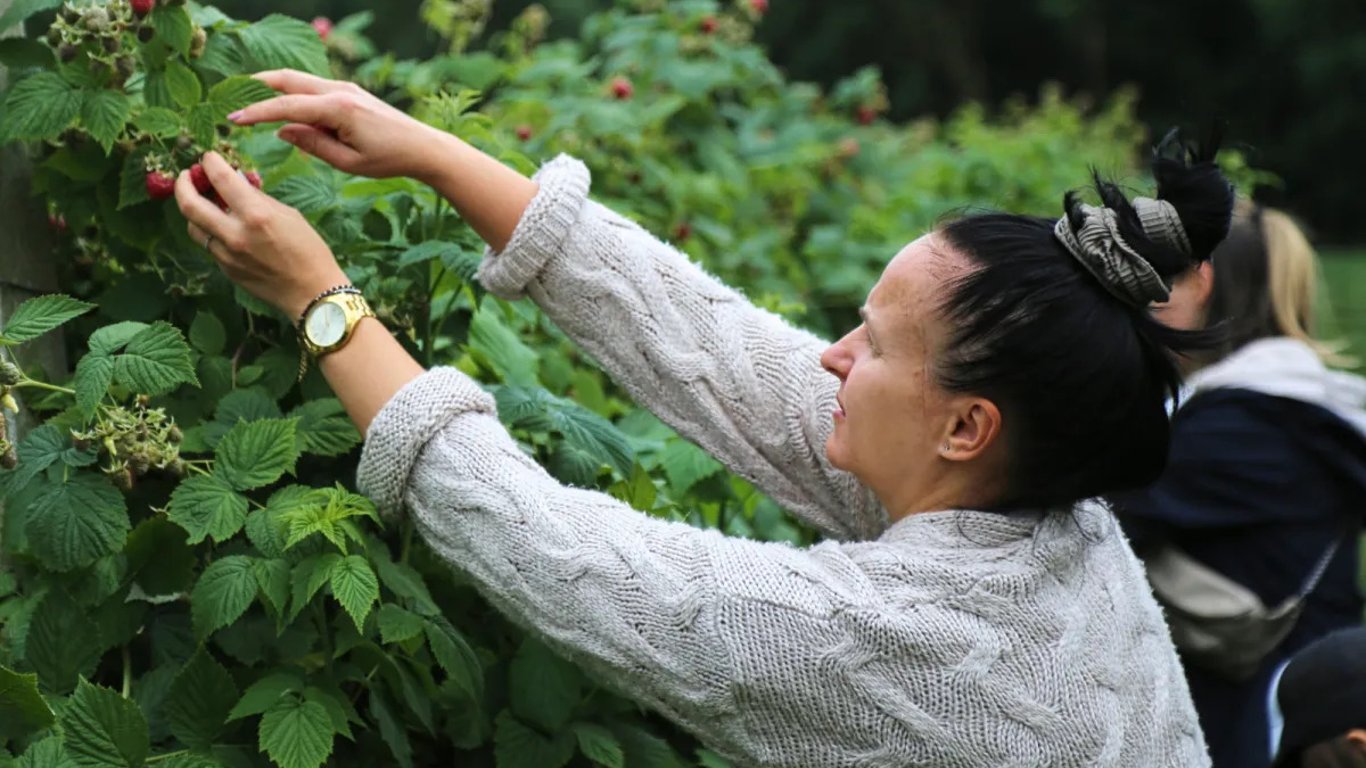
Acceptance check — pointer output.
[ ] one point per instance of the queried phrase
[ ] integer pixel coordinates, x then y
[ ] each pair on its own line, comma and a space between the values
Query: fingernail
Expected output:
235, 116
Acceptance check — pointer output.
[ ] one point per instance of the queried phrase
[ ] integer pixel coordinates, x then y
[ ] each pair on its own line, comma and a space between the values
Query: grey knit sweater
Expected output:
954, 638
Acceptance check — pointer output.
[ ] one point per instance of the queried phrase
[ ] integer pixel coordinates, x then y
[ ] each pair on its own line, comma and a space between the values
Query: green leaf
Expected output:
324, 429
355, 587
510, 357
104, 729
22, 9
281, 42
336, 705
257, 453
83, 519
685, 464
205, 505
160, 122
207, 333
39, 450
263, 533
397, 624
392, 731
265, 693
709, 759
273, 577
172, 24
94, 374
456, 658
311, 194
23, 709
104, 113
112, 338
39, 315
404, 581
156, 361
296, 733
60, 645
199, 702
183, 85
599, 745
425, 251
203, 123
325, 512
48, 753
518, 746
223, 593
39, 107
309, 576
644, 748
238, 91
543, 688
133, 178
159, 557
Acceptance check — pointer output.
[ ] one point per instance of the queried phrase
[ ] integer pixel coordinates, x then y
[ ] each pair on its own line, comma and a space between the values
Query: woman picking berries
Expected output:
969, 605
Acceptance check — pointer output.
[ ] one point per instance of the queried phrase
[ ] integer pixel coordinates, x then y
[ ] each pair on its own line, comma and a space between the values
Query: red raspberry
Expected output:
160, 185
253, 178
622, 88
524, 132
866, 115
142, 7
323, 26
759, 6
848, 147
683, 231
200, 178
709, 25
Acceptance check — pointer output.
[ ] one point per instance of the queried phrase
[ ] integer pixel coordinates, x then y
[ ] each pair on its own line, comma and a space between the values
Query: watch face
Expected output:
326, 324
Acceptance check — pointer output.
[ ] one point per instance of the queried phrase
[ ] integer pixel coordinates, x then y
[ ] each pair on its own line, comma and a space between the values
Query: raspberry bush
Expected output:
188, 578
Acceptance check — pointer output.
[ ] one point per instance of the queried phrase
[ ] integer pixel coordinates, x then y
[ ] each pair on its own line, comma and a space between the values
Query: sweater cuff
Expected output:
404, 425
541, 231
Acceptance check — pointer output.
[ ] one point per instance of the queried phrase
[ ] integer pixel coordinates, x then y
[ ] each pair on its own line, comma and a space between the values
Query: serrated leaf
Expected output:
281, 42
238, 91
159, 557
265, 693
39, 315
296, 733
518, 746
709, 759
20, 10
60, 645
355, 586
324, 429
644, 748
685, 464
39, 107
263, 533
112, 338
48, 753
183, 85
309, 576
257, 453
223, 593
206, 506
202, 123
397, 624
327, 513
310, 194
199, 701
207, 333
39, 450
404, 581
391, 730
155, 361
463, 263
336, 706
425, 251
23, 709
172, 24
599, 745
104, 113
94, 374
103, 729
82, 520
160, 122
133, 177
273, 577
456, 658
543, 688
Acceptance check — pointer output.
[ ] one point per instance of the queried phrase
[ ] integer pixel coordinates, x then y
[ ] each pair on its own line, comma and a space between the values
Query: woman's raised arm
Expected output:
737, 380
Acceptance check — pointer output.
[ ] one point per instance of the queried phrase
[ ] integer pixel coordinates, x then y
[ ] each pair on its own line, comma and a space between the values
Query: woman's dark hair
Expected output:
1082, 378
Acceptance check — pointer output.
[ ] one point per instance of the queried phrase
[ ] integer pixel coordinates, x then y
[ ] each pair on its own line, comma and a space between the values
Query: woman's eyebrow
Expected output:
867, 322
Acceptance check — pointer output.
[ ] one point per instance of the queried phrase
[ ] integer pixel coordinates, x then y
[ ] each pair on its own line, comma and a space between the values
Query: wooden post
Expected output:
26, 258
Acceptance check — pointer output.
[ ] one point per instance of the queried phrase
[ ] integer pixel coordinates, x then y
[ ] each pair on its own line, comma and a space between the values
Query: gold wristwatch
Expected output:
329, 322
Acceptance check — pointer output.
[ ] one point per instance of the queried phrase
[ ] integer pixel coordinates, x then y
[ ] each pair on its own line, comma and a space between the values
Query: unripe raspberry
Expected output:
9, 374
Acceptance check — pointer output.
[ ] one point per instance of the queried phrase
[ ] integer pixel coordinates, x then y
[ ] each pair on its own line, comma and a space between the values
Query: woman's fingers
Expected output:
217, 248
242, 198
312, 109
321, 144
201, 211
294, 81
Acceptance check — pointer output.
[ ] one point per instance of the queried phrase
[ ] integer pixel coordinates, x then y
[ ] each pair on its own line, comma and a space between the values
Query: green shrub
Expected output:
189, 580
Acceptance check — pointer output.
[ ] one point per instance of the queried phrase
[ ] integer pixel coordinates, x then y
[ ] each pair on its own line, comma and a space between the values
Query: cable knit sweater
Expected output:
955, 638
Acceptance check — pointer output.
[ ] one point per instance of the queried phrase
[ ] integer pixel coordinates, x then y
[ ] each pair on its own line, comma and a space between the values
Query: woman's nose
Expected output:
836, 360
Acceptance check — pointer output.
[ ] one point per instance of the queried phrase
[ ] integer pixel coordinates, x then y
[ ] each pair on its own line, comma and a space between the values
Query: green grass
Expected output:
1344, 273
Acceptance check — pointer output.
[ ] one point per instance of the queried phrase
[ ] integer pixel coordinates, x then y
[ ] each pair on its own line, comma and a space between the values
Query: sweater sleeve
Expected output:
634, 599
737, 380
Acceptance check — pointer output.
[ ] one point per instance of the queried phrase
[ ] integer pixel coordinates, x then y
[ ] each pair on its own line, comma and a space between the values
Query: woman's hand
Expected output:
262, 244
342, 124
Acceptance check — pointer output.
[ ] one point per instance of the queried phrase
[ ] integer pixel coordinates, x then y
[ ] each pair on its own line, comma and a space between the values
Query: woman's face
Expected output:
894, 419
1188, 306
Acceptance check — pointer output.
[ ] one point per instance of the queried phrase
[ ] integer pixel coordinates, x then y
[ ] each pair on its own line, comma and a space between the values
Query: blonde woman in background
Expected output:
1266, 482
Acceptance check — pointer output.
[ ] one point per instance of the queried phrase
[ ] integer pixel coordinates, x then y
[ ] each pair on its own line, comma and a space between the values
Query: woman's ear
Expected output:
974, 429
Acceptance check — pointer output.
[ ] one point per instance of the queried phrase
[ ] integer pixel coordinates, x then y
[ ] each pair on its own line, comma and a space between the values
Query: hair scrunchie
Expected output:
1102, 250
